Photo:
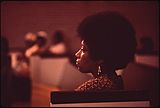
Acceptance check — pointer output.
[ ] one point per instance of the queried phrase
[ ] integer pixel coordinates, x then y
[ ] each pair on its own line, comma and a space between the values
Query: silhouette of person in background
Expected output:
58, 46
108, 44
42, 38
147, 46
30, 44
5, 73
30, 39
36, 43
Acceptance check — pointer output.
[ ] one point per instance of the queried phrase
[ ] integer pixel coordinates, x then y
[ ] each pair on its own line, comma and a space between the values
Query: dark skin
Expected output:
85, 64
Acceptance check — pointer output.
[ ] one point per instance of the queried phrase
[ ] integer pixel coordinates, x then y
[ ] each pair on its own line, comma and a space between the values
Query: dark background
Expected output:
20, 17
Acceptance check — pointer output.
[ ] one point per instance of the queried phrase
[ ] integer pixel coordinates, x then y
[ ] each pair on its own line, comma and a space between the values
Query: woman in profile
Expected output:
108, 44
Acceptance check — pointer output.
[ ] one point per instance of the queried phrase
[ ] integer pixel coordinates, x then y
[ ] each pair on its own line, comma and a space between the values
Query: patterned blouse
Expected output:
101, 83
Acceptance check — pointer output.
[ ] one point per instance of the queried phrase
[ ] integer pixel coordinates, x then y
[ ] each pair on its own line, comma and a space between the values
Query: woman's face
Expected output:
84, 62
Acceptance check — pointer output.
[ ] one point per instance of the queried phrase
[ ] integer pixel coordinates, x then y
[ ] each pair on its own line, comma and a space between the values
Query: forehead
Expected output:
82, 42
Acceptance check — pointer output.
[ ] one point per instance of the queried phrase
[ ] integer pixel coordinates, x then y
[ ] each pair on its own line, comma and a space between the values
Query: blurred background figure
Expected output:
5, 73
36, 44
146, 45
30, 39
42, 41
30, 44
58, 45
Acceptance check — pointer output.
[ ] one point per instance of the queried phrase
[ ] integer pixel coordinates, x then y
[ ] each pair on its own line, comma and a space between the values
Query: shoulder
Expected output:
100, 83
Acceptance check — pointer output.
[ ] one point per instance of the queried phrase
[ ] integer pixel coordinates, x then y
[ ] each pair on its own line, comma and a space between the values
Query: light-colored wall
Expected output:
20, 17
57, 72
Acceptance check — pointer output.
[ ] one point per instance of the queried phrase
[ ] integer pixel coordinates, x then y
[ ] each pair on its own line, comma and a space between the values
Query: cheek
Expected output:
85, 64
84, 59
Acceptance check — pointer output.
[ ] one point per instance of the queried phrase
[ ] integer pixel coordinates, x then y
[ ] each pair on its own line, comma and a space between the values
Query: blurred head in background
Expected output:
58, 45
58, 37
30, 39
35, 43
41, 38
4, 45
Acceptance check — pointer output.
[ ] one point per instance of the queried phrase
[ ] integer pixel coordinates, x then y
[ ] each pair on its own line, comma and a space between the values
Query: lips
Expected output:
77, 61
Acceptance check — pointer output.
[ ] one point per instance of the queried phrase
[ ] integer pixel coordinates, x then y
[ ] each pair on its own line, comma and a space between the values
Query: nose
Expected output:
78, 53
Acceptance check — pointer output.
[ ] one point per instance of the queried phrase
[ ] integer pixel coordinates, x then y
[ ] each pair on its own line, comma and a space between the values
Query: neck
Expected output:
94, 71
105, 72
95, 75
